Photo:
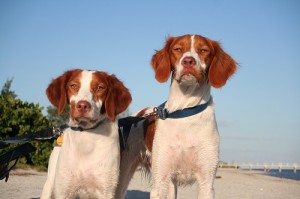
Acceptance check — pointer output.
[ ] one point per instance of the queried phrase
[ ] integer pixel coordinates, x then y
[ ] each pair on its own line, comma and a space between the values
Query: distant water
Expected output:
285, 173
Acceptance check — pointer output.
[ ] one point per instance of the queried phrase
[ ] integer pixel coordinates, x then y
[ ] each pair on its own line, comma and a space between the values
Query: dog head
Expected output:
91, 95
193, 58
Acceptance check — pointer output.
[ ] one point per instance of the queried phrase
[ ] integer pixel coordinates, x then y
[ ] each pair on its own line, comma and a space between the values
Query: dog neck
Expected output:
86, 124
184, 95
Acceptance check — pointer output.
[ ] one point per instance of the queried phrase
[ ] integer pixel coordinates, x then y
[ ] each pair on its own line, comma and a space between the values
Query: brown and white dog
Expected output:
87, 163
182, 150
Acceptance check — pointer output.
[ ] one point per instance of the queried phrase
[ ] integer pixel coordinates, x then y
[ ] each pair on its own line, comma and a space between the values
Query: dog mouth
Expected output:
190, 76
188, 79
84, 122
85, 119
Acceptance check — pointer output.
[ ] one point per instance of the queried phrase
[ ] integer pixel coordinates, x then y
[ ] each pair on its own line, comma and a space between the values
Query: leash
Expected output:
57, 132
45, 134
14, 154
124, 125
159, 112
22, 149
38, 135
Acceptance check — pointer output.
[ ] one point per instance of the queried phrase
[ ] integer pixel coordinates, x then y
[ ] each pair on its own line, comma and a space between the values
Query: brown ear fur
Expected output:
118, 98
56, 91
222, 66
161, 63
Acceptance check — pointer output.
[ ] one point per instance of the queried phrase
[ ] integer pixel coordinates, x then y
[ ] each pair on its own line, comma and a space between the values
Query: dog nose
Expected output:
188, 62
83, 106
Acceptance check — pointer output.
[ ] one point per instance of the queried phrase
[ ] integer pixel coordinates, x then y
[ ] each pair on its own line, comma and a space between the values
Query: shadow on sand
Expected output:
132, 194
136, 194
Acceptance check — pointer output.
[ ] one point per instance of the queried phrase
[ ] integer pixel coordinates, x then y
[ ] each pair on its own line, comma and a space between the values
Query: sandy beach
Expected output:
231, 184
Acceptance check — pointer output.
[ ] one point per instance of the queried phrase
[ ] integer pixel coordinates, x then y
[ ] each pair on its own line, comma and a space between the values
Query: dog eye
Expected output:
178, 49
99, 88
74, 86
203, 50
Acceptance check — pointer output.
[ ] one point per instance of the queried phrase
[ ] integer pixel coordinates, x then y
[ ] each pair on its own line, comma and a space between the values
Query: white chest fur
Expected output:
88, 161
186, 145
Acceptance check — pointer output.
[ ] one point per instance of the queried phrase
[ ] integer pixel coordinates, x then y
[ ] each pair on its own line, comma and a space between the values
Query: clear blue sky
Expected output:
257, 111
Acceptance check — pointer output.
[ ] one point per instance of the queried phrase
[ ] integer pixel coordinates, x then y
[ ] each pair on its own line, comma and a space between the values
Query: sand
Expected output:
232, 184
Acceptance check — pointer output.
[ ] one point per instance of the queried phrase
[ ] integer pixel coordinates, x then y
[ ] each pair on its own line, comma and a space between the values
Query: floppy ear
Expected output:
56, 91
222, 66
161, 63
118, 98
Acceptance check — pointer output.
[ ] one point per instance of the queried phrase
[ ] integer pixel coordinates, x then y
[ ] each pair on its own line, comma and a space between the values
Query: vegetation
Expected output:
18, 118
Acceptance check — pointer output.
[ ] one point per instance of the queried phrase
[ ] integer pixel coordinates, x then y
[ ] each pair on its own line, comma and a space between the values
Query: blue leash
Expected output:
161, 112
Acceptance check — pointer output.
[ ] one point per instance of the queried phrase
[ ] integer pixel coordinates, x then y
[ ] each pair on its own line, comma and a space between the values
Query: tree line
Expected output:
19, 117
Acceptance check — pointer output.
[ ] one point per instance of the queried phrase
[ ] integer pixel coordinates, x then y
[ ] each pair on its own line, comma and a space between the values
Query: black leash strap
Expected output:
125, 125
39, 135
14, 154
23, 149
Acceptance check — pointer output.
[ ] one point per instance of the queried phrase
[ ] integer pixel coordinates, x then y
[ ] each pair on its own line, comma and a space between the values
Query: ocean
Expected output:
285, 173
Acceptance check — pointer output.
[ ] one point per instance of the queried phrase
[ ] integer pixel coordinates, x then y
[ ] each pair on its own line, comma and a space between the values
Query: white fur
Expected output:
84, 92
186, 149
87, 163
49, 184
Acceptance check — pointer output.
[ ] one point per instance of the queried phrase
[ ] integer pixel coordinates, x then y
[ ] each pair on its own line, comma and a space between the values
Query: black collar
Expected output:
78, 128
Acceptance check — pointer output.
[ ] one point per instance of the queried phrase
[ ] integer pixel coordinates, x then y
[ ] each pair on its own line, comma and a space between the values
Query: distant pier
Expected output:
263, 166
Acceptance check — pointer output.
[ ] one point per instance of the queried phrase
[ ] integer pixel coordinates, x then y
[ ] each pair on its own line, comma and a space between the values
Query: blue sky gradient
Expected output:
258, 109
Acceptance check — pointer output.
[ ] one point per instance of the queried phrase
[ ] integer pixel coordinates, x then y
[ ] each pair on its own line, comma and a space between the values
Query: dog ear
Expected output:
56, 91
222, 66
161, 63
118, 98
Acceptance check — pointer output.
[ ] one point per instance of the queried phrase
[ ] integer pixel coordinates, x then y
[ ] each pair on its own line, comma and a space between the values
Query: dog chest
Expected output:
195, 131
185, 147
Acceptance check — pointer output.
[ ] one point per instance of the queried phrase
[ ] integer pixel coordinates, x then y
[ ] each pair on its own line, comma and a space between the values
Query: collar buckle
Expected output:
161, 112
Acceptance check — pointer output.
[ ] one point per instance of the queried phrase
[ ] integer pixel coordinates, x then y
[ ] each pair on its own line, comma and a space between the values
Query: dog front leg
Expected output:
162, 185
49, 184
172, 190
162, 190
205, 185
206, 192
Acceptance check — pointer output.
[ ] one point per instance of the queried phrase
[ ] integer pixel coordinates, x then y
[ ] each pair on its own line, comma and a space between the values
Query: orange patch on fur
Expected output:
142, 112
149, 131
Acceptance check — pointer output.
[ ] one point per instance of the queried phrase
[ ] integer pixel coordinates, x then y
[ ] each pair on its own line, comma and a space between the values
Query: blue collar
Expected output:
163, 113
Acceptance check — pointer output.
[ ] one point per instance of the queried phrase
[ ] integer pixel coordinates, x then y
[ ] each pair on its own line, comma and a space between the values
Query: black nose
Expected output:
83, 106
188, 62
